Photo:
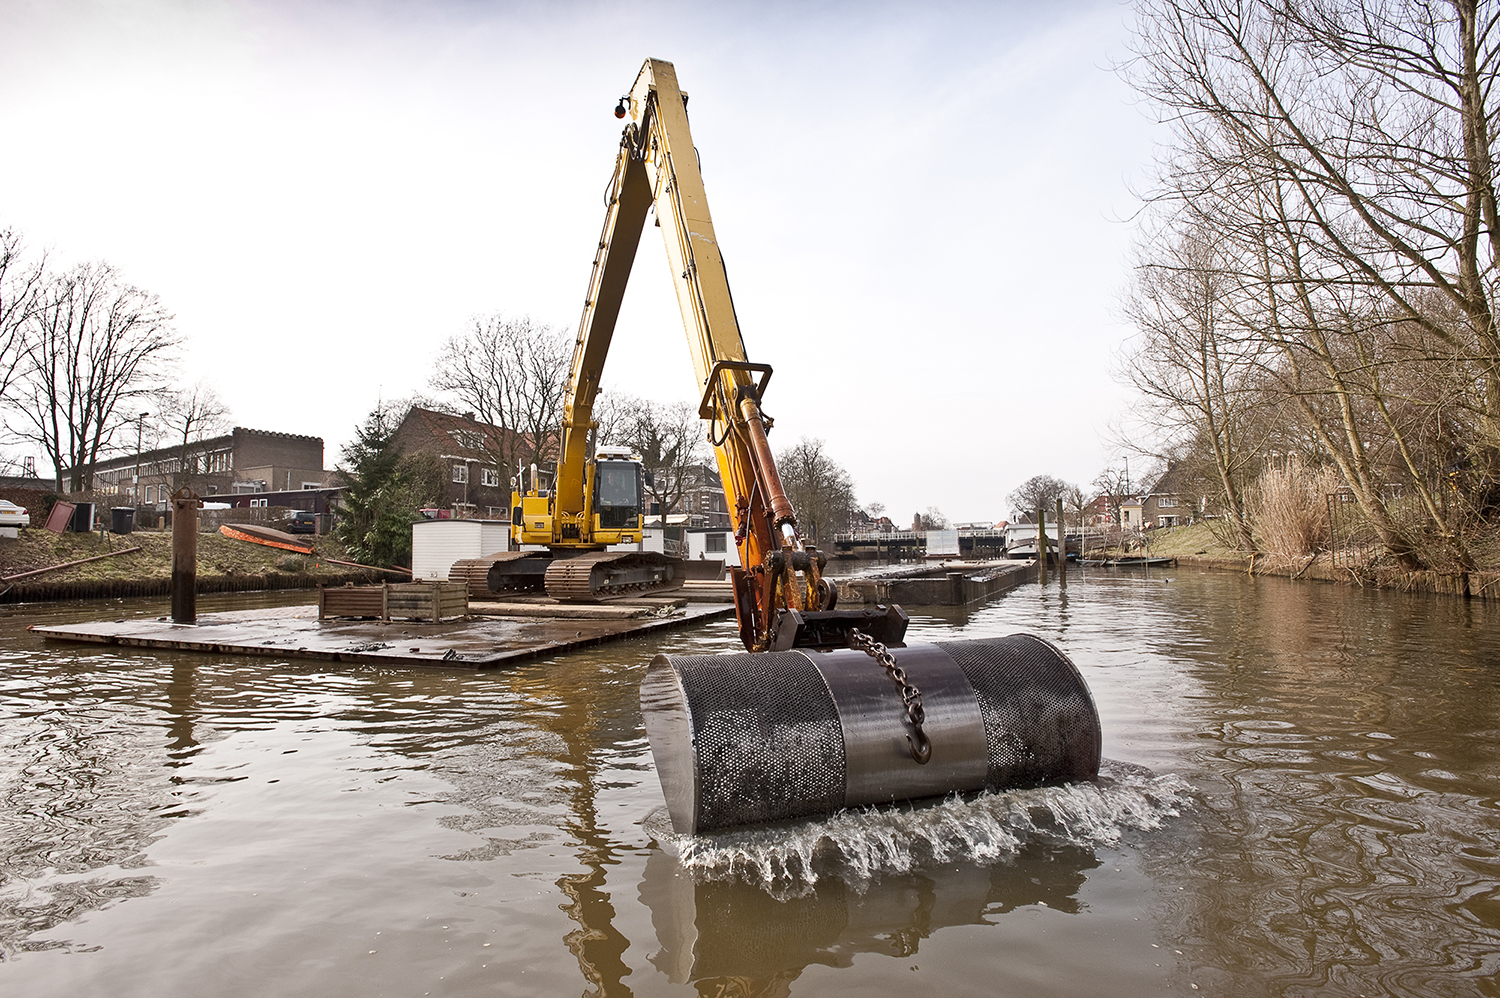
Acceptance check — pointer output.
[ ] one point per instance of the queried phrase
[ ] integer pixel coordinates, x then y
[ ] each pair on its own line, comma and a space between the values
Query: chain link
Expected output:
911, 697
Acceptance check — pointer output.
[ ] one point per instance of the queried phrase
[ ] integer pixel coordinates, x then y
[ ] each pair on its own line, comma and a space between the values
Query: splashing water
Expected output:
862, 845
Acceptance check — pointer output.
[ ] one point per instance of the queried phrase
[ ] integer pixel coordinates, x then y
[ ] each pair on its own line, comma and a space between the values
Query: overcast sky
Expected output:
925, 208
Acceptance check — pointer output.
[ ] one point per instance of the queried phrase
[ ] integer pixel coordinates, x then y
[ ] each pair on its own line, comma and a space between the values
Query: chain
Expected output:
911, 697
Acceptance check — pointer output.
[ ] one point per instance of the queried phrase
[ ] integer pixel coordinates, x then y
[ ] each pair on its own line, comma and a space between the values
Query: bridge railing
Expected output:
889, 537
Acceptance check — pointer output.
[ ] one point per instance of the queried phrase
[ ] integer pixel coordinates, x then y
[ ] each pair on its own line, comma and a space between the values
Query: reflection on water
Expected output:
746, 912
731, 937
1300, 796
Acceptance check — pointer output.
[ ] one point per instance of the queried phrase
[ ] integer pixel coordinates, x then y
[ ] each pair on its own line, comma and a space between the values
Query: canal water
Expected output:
1299, 797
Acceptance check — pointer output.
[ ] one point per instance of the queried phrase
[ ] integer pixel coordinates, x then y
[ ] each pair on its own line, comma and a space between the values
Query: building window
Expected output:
254, 503
715, 543
461, 473
489, 477
310, 485
1166, 502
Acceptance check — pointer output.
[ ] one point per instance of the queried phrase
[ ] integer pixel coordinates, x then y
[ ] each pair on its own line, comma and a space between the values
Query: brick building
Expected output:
241, 461
474, 485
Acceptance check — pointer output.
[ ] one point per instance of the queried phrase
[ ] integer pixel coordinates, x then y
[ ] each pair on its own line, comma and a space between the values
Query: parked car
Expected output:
302, 522
12, 515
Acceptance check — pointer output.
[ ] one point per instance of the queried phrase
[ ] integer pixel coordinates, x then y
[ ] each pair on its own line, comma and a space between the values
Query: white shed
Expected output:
437, 544
713, 543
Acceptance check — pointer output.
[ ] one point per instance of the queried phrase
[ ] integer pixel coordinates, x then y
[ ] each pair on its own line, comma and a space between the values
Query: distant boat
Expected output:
1020, 542
1132, 562
256, 534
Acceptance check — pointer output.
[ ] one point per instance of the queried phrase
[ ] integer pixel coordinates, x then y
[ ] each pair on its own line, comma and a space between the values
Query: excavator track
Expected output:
604, 575
503, 573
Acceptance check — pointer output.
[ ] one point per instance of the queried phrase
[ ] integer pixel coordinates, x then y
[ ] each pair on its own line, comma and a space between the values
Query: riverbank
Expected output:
1196, 545
224, 565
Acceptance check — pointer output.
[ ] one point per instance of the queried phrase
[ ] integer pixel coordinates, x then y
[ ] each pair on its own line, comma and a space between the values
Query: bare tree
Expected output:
511, 374
1196, 371
933, 519
188, 417
668, 439
20, 285
1038, 490
1114, 484
94, 345
819, 488
1344, 155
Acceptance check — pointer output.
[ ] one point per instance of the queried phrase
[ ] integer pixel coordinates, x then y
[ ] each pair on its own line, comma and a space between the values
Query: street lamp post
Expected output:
140, 426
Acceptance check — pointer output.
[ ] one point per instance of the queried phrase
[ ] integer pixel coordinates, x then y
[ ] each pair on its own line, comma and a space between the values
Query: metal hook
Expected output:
920, 746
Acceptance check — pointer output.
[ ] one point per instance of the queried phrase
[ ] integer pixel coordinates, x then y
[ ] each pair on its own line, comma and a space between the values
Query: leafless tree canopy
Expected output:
1323, 247
512, 374
20, 285
1196, 371
1039, 491
668, 437
820, 489
932, 519
187, 417
93, 346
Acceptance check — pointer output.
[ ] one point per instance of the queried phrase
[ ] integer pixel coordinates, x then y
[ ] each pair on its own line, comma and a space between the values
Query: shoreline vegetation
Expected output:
224, 565
1196, 545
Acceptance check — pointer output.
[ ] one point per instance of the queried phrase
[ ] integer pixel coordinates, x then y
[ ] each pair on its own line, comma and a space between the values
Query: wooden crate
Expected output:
431, 601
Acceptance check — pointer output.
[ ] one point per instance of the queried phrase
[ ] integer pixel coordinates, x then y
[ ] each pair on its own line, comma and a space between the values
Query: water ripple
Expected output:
861, 846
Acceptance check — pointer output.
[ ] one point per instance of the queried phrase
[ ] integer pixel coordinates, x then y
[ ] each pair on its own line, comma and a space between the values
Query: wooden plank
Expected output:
68, 564
561, 611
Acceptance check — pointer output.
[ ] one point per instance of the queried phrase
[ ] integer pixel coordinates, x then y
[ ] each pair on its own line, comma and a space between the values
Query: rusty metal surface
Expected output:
945, 585
296, 633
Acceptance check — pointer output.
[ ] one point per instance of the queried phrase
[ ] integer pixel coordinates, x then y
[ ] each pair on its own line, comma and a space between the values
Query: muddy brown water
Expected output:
1301, 796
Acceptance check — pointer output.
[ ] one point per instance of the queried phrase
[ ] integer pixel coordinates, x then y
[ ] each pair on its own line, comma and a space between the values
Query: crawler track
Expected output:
603, 575
506, 572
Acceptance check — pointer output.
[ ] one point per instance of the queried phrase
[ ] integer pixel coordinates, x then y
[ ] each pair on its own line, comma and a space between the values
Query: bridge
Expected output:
972, 542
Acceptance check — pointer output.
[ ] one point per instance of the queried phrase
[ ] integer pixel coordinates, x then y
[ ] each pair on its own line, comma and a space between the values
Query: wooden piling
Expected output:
185, 504
1062, 545
1041, 544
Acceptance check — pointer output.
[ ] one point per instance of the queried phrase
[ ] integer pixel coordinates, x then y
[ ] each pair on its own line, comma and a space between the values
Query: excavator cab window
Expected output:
617, 494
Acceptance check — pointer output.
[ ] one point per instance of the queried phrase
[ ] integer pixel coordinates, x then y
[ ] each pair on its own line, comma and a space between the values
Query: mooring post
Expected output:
1041, 542
1062, 545
185, 504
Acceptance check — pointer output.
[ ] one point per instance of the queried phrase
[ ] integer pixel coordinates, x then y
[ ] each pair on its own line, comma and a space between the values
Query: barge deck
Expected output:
480, 642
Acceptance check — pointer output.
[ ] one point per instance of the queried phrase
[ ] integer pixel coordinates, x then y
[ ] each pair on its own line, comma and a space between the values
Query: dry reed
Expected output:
1289, 510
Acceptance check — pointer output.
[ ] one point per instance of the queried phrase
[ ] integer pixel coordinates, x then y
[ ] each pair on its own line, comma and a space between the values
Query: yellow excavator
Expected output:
818, 713
595, 502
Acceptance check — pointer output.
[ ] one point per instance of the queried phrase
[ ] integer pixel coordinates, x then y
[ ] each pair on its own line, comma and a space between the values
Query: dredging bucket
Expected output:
744, 739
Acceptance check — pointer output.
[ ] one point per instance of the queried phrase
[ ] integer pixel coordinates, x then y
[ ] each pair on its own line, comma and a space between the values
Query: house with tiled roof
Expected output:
1168, 504
472, 452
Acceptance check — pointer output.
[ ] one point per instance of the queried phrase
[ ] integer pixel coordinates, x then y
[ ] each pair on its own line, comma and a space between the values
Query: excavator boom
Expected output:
781, 597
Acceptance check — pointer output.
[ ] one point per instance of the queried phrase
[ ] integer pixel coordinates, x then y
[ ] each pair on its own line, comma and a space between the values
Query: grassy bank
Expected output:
223, 564
1196, 545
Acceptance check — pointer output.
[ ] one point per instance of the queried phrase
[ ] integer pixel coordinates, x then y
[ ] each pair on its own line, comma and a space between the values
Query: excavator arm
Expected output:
781, 597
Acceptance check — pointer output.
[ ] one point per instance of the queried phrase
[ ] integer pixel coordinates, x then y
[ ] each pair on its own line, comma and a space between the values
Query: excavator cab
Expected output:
618, 491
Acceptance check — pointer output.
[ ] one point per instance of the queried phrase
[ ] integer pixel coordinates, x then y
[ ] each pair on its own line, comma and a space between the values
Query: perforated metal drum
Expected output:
743, 739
